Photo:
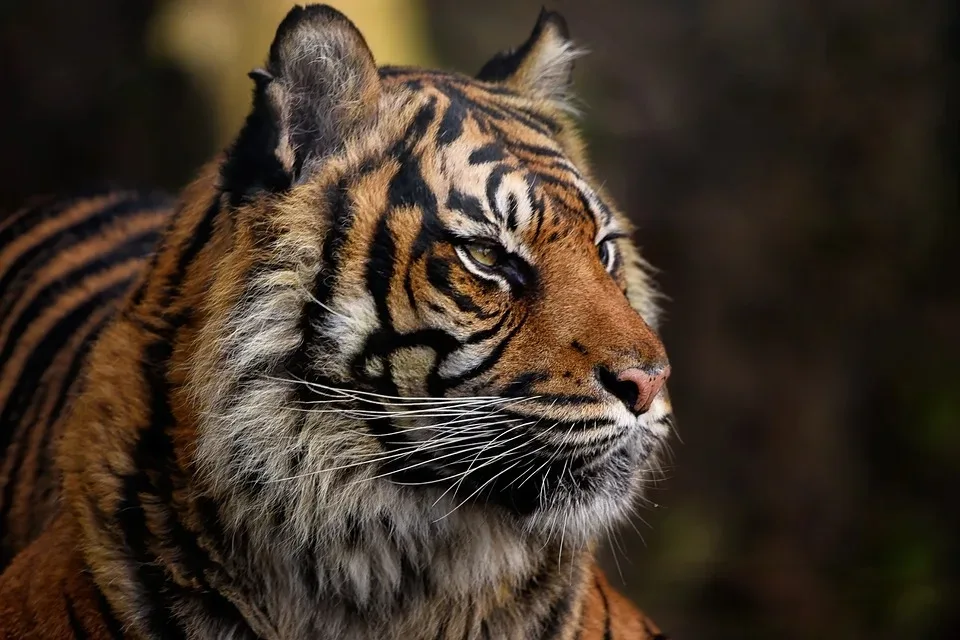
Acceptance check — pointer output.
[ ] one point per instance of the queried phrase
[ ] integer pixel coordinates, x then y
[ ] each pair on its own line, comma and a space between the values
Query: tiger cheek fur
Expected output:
391, 372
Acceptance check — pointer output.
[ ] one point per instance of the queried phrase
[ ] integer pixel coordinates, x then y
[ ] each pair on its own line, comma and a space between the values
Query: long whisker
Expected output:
445, 431
456, 452
491, 480
491, 460
434, 411
472, 462
326, 308
548, 461
371, 394
426, 446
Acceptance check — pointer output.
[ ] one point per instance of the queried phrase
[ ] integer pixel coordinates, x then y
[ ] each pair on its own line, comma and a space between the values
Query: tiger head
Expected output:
426, 299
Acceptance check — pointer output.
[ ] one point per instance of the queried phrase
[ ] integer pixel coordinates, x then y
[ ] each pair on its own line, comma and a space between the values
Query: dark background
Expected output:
792, 167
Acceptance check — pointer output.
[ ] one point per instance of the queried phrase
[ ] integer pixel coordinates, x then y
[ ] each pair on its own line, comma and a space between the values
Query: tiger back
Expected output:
388, 368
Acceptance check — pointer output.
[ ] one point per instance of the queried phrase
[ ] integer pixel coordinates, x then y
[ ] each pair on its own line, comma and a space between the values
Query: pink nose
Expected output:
647, 386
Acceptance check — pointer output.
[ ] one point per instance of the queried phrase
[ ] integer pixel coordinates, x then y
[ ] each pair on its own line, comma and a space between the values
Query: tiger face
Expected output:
468, 320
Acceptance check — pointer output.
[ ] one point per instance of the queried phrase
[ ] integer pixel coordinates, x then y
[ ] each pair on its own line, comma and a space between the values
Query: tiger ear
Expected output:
319, 87
542, 66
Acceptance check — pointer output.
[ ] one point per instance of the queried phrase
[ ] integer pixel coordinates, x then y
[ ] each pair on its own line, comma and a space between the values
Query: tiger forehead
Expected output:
492, 158
464, 105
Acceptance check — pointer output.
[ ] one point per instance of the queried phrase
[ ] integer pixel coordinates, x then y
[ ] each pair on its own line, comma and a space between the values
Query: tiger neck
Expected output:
462, 584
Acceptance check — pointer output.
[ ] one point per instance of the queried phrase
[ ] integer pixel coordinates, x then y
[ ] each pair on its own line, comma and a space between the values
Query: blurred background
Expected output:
792, 167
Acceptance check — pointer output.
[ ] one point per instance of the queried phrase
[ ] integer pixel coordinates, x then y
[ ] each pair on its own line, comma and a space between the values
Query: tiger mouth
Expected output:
492, 449
527, 468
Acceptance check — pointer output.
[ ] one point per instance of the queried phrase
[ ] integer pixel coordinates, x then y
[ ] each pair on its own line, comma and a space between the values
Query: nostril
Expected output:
635, 387
625, 390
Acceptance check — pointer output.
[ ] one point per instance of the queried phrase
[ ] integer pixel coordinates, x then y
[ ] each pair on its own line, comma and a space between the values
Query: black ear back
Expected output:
541, 67
319, 87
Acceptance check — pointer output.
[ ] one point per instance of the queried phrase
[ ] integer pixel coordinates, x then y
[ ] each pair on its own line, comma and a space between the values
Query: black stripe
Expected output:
415, 132
486, 334
533, 119
513, 208
152, 457
45, 350
492, 152
339, 210
149, 453
557, 617
555, 181
496, 111
607, 632
467, 205
438, 275
15, 460
74, 368
75, 627
32, 215
522, 385
67, 238
145, 280
505, 112
380, 267
411, 295
522, 148
475, 108
197, 240
492, 358
114, 628
537, 204
493, 183
408, 187
451, 125
132, 247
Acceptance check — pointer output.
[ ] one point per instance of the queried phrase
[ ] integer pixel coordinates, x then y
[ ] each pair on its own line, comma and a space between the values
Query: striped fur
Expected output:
64, 266
317, 411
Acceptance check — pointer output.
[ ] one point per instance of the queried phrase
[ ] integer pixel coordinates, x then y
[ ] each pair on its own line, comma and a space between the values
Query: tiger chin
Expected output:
390, 372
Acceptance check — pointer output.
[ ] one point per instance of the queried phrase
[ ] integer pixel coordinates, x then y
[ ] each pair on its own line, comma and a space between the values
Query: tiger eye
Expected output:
482, 254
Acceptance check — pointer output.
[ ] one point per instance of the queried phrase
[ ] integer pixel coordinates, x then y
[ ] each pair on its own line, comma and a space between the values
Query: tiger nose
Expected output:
636, 387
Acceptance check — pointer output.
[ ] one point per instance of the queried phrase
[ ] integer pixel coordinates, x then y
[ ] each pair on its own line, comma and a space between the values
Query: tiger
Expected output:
388, 367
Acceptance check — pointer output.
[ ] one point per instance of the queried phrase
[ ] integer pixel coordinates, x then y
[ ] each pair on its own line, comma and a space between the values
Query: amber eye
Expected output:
607, 251
604, 251
483, 254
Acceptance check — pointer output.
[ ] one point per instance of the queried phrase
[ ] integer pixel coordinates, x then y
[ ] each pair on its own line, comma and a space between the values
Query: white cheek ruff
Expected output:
349, 326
